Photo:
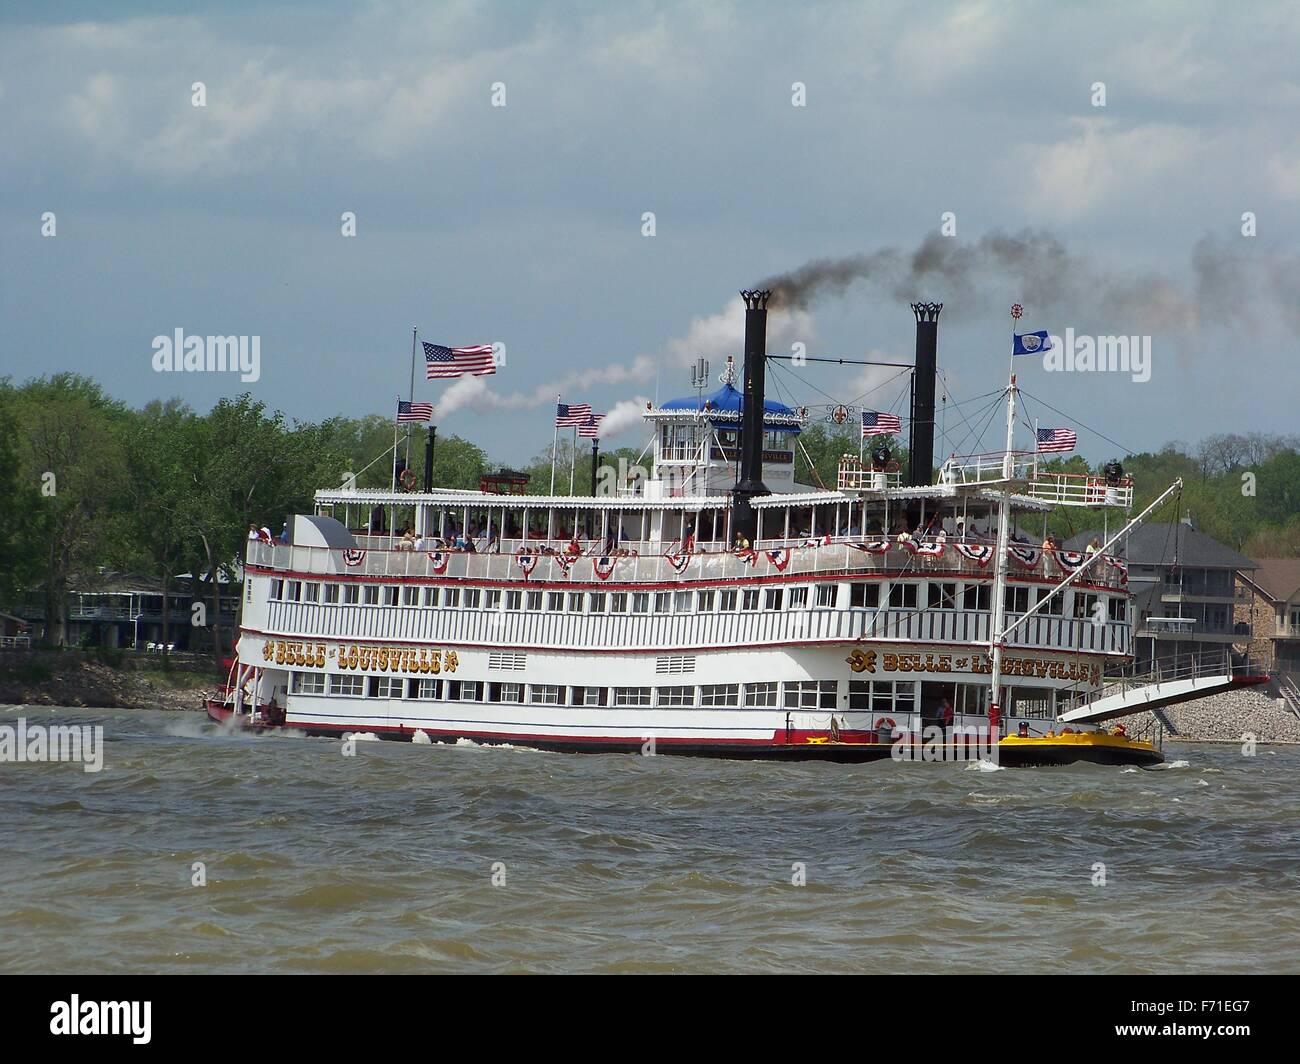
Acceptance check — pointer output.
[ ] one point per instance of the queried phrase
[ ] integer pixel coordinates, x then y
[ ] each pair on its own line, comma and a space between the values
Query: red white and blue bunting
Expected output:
565, 562
749, 556
1026, 556
875, 546
779, 557
1121, 568
353, 556
527, 563
924, 550
679, 562
1070, 559
979, 553
439, 560
604, 567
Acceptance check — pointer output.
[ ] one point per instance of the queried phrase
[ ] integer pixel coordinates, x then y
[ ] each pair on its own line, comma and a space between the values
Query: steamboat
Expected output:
715, 606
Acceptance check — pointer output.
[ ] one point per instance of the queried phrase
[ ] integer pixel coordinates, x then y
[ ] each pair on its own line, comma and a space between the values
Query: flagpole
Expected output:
555, 441
414, 330
393, 463
573, 457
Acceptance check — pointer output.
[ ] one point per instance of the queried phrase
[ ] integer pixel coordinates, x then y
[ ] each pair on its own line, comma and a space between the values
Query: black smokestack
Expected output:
744, 520
428, 461
920, 465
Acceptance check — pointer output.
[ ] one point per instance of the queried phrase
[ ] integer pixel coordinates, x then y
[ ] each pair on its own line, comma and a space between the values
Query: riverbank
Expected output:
1226, 718
105, 680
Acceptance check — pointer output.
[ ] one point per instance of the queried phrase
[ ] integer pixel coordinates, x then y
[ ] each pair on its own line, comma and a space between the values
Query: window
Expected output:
590, 696
473, 597
277, 589
427, 689
773, 597
1085, 606
761, 694
631, 696
410, 595
311, 592
391, 595
1118, 609
596, 602
827, 596
618, 602
431, 596
1016, 599
294, 590
533, 601
554, 601
641, 602
798, 598
1054, 604
810, 694
902, 596
575, 601
331, 594
465, 690
515, 600
1032, 702
882, 696
682, 602
749, 599
352, 594
450, 597
492, 599
663, 602
704, 602
675, 696
720, 694
350, 686
729, 601
372, 595
864, 596
546, 694
385, 687
942, 596
309, 683
505, 692
976, 597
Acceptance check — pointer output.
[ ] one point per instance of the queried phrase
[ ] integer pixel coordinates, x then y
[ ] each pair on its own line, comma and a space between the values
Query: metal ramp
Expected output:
1182, 679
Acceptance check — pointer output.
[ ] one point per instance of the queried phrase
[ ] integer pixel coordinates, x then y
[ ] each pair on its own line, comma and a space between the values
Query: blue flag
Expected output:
1034, 343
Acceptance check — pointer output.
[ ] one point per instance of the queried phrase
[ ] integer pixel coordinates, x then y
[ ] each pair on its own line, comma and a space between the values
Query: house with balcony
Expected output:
1268, 600
114, 609
1184, 591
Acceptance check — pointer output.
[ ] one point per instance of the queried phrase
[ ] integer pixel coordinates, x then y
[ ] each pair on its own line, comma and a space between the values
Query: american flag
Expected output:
413, 411
592, 428
442, 361
568, 415
875, 423
1056, 440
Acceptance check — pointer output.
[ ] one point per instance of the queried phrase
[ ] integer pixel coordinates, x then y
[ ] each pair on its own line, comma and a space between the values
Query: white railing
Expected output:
987, 468
551, 630
631, 567
1076, 489
14, 642
855, 475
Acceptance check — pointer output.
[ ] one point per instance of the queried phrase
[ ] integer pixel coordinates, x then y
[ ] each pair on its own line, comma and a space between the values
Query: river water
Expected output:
385, 861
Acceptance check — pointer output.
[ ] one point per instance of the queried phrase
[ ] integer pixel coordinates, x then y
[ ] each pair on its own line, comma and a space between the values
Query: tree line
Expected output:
87, 482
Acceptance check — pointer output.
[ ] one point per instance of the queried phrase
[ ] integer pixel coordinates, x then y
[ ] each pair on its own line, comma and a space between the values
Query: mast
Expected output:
997, 638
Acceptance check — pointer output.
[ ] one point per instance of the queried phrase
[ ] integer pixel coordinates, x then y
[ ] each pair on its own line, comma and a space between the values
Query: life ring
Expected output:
886, 720
407, 479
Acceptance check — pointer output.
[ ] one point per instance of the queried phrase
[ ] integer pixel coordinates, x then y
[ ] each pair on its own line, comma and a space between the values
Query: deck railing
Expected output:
663, 566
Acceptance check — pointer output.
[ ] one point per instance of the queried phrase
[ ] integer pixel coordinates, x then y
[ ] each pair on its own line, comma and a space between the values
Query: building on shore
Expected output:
1268, 601
115, 609
1184, 588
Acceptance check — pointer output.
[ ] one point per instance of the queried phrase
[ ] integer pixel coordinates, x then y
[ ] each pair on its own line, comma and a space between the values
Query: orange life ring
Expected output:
886, 720
407, 479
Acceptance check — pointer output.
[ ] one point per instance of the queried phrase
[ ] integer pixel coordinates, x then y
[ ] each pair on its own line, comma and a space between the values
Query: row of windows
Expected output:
895, 696
934, 595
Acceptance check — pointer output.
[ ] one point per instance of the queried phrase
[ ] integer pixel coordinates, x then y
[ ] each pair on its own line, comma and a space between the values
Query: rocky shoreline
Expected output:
1225, 718
93, 684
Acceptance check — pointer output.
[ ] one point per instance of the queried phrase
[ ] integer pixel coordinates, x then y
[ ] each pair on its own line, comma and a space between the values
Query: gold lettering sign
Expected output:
910, 661
424, 660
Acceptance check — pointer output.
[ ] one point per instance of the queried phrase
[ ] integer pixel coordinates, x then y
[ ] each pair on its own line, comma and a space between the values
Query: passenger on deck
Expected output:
741, 542
1093, 547
253, 534
284, 533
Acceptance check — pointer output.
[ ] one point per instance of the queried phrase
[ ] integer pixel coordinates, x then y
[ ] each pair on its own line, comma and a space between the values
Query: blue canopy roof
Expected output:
730, 401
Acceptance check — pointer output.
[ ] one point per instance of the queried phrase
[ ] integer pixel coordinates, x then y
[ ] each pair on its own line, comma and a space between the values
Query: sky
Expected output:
1119, 169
